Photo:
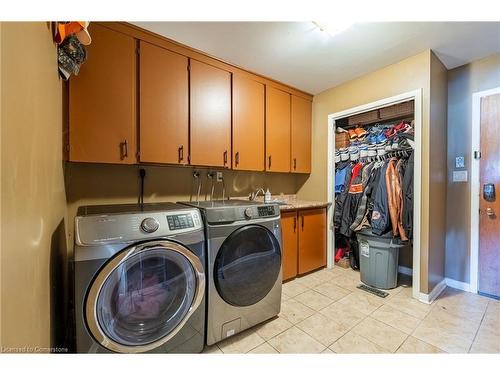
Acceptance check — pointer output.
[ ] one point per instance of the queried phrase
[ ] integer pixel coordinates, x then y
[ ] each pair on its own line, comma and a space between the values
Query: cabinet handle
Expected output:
124, 149
294, 163
294, 223
269, 162
237, 158
225, 157
181, 153
302, 222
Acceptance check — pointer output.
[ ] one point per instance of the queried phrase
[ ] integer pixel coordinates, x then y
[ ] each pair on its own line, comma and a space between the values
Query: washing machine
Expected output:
139, 279
244, 265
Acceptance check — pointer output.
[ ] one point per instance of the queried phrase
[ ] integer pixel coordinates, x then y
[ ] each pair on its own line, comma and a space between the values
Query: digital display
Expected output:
180, 221
265, 210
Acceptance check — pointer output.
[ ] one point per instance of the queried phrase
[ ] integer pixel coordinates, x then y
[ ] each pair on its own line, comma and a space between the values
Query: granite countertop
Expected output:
292, 203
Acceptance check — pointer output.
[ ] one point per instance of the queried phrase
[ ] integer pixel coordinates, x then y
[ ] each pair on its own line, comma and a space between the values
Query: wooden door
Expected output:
164, 108
210, 92
489, 222
301, 135
102, 101
312, 239
289, 240
277, 130
248, 124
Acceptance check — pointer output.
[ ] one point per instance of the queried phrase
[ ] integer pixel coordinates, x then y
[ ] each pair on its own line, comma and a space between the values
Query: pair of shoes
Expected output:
357, 133
340, 253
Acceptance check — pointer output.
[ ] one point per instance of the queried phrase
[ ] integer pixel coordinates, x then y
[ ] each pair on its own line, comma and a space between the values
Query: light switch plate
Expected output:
459, 162
459, 176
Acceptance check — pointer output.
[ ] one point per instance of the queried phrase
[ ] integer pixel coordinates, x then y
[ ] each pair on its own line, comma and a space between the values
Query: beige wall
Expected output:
106, 184
462, 83
33, 196
407, 75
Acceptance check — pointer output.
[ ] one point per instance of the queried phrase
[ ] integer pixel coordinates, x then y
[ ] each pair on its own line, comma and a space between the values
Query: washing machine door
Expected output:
144, 295
247, 265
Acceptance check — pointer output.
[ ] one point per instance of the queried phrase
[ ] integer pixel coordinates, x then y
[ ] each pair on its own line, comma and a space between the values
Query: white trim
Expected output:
405, 270
458, 285
415, 95
438, 289
475, 188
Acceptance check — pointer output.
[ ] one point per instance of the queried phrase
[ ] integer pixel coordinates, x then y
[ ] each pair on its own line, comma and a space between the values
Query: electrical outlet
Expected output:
219, 177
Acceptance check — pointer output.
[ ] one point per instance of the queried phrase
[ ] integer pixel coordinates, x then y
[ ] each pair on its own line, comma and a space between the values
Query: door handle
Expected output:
294, 223
294, 163
225, 157
124, 149
302, 222
181, 153
269, 162
237, 158
490, 212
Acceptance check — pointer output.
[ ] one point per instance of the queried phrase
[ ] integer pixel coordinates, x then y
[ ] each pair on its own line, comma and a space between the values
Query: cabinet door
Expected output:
164, 109
210, 115
102, 101
301, 135
312, 239
277, 130
248, 124
289, 244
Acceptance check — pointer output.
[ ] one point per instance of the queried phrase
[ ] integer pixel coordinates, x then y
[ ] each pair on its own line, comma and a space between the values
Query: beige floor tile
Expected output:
314, 300
284, 297
327, 351
491, 318
362, 301
415, 346
212, 349
322, 329
344, 315
355, 344
241, 343
294, 311
405, 303
325, 275
294, 288
332, 291
465, 305
381, 334
347, 282
294, 340
271, 328
446, 331
264, 348
396, 319
310, 280
486, 341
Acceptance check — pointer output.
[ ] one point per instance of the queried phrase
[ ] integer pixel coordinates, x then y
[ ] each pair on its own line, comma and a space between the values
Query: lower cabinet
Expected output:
304, 241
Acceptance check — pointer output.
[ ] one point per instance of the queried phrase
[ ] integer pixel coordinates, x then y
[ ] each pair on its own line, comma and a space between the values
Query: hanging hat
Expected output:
79, 28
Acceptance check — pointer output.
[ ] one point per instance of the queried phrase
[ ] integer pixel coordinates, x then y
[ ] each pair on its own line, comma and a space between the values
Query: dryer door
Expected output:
247, 265
143, 296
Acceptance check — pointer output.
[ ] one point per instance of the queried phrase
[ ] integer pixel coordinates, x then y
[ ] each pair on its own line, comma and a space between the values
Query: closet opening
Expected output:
374, 186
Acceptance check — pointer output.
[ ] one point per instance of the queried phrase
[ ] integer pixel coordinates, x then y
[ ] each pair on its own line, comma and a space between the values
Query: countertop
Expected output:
292, 203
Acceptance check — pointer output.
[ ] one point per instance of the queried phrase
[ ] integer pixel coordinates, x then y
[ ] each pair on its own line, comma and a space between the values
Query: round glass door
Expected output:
247, 265
145, 297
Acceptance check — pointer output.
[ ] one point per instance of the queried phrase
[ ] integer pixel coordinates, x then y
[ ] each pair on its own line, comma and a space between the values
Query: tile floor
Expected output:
323, 312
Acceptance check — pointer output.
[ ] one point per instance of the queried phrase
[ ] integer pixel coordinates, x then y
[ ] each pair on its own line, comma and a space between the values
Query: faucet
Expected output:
254, 195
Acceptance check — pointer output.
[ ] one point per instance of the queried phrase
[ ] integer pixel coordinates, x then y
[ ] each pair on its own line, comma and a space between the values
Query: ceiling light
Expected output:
333, 27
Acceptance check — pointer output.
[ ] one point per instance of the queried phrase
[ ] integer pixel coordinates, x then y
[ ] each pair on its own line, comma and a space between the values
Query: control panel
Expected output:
180, 221
265, 211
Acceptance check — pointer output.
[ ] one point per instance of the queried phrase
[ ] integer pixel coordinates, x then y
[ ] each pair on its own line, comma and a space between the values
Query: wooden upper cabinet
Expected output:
102, 101
164, 107
248, 124
289, 248
301, 135
277, 130
210, 110
312, 239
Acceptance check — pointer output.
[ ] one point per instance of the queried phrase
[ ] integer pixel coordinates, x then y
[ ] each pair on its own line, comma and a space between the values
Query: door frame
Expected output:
417, 96
475, 187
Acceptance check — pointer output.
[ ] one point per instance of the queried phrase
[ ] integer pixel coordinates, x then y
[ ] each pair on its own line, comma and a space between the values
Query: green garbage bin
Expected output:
378, 259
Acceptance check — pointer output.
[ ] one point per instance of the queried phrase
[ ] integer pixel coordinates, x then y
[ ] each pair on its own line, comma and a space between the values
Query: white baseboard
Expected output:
458, 285
438, 289
405, 270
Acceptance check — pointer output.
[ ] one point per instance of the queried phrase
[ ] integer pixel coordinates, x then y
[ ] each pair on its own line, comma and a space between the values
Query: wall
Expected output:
88, 184
33, 202
463, 81
407, 75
